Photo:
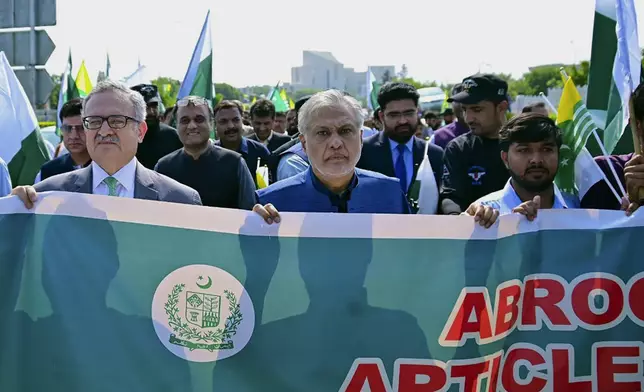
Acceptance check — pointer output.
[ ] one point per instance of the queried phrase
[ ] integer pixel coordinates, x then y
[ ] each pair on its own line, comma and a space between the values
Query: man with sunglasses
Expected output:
74, 141
160, 139
114, 122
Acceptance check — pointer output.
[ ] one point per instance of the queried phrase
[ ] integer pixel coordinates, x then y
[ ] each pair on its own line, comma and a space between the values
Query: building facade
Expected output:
321, 71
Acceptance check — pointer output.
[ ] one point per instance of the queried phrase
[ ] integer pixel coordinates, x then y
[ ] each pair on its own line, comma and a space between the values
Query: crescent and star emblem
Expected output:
204, 286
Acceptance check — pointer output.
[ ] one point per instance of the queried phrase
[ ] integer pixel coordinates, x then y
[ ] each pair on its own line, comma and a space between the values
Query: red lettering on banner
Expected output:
530, 356
563, 370
495, 367
586, 288
420, 375
629, 363
470, 372
366, 372
507, 298
549, 304
470, 319
635, 289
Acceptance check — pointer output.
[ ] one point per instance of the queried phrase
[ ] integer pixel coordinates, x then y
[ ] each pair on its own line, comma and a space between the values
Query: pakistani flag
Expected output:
281, 106
22, 146
68, 89
198, 80
373, 87
577, 168
615, 67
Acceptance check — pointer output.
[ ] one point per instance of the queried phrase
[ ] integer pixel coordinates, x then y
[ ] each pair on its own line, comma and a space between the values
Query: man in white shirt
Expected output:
114, 121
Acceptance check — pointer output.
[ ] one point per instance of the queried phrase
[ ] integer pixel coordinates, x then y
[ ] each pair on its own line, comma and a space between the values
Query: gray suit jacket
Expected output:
148, 185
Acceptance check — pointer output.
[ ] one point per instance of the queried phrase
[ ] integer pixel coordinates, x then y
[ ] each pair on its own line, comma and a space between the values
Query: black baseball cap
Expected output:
481, 87
149, 92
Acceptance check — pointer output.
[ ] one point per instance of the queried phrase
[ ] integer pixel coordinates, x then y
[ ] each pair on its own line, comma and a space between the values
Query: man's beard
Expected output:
401, 133
532, 186
152, 122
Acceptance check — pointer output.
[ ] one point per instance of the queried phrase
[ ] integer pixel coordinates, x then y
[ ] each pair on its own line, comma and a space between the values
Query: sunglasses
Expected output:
197, 101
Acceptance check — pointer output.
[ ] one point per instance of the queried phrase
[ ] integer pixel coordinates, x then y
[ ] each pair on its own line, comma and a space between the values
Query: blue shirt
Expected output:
409, 157
5, 179
507, 199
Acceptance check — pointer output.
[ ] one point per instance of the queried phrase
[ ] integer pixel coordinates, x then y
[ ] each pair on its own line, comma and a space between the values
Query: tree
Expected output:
228, 91
168, 90
416, 83
53, 96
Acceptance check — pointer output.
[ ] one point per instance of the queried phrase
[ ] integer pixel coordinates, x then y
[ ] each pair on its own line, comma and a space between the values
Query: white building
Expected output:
320, 70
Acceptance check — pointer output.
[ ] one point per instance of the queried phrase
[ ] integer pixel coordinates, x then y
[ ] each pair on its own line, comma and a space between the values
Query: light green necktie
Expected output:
111, 183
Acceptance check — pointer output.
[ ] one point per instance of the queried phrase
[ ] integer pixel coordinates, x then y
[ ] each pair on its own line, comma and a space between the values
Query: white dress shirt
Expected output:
126, 178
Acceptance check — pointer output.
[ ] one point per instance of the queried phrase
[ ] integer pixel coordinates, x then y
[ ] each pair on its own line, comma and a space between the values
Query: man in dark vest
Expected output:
161, 139
74, 141
219, 175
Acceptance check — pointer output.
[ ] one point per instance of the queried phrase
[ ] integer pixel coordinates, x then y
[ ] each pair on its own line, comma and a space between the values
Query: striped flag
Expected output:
615, 67
577, 169
68, 89
373, 87
22, 146
199, 80
83, 82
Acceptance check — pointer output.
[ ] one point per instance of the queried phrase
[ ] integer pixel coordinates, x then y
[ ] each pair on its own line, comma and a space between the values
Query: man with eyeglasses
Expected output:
396, 152
219, 175
114, 121
160, 139
74, 141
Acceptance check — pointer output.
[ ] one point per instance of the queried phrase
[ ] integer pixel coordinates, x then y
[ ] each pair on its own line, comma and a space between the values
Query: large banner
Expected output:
107, 294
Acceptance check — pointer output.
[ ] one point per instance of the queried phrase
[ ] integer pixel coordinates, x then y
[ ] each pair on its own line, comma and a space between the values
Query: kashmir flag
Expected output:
577, 168
83, 82
373, 87
199, 80
287, 100
67, 91
615, 67
22, 146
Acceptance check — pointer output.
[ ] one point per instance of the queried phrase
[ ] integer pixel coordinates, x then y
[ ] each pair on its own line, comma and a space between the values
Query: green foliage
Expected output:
303, 92
168, 90
53, 97
228, 91
44, 124
539, 79
415, 83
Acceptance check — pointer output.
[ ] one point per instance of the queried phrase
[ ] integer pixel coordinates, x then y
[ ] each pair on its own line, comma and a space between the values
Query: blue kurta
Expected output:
369, 193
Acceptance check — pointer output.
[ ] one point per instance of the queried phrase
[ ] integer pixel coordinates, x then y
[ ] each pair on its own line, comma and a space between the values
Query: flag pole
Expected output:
637, 144
604, 153
610, 185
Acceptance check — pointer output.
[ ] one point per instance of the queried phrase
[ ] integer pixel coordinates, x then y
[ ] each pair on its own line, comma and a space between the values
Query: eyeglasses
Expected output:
396, 116
69, 128
194, 100
115, 122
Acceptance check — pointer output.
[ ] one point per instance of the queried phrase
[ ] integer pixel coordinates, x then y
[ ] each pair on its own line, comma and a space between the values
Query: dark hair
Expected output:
529, 128
429, 114
280, 114
228, 105
71, 108
376, 114
530, 108
638, 102
397, 91
262, 108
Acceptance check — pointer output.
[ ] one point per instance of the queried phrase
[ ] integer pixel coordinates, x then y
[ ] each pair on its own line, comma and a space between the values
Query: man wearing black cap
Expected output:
161, 139
473, 165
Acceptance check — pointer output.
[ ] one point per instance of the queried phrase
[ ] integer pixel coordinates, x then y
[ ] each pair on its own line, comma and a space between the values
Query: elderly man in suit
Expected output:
395, 152
114, 121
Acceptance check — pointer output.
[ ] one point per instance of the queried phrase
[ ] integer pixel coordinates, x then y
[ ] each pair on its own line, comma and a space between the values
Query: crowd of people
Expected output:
324, 155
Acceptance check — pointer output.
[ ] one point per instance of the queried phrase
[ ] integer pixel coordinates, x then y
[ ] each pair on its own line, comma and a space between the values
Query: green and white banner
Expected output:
108, 294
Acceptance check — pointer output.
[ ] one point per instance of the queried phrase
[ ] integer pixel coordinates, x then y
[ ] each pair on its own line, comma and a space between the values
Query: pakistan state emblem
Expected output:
206, 314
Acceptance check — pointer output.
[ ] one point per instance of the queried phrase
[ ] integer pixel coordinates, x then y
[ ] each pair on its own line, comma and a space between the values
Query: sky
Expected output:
256, 42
